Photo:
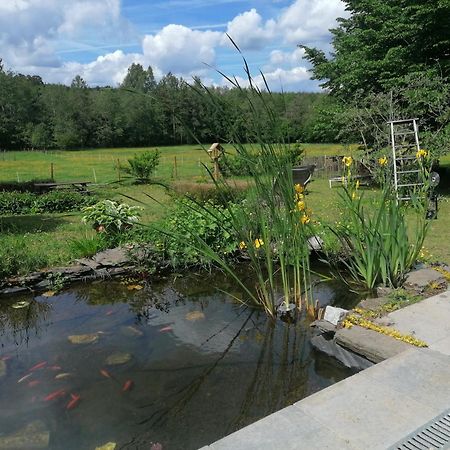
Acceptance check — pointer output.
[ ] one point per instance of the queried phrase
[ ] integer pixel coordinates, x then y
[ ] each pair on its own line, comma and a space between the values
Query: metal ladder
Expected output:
404, 136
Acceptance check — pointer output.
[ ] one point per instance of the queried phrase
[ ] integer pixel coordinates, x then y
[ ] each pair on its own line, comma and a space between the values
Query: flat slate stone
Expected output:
14, 290
346, 357
373, 303
113, 257
420, 279
324, 326
374, 346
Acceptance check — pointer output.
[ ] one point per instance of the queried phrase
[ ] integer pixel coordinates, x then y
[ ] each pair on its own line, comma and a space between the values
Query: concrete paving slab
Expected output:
289, 429
442, 346
428, 320
422, 374
366, 413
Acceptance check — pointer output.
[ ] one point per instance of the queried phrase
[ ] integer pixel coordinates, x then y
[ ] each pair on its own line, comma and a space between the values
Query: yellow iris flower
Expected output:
242, 245
259, 243
421, 154
382, 161
305, 219
347, 160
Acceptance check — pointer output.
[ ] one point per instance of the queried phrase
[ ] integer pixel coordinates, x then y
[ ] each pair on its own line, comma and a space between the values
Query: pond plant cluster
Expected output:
269, 228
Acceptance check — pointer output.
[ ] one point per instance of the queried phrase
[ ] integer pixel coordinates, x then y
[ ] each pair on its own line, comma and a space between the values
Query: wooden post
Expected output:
175, 169
118, 169
95, 176
52, 172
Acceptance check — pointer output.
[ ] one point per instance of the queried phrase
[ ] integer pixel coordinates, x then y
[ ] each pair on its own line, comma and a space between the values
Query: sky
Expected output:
100, 39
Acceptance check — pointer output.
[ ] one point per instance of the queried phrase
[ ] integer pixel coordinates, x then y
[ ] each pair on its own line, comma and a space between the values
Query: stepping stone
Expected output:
374, 346
83, 338
117, 359
420, 279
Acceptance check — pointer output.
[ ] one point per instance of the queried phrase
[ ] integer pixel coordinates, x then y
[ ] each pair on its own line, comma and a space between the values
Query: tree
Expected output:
381, 42
138, 79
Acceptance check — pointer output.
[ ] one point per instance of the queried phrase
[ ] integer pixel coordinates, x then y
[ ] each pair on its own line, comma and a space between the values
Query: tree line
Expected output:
141, 112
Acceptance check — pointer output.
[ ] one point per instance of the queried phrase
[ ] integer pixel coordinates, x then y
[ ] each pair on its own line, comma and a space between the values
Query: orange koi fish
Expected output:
105, 373
162, 330
54, 395
33, 383
74, 402
38, 366
128, 385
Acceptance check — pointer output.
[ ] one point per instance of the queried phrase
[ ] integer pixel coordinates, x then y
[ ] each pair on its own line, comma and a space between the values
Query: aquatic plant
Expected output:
381, 241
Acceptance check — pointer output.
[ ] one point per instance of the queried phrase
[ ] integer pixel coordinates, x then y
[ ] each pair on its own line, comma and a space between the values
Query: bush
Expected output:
18, 203
142, 166
111, 217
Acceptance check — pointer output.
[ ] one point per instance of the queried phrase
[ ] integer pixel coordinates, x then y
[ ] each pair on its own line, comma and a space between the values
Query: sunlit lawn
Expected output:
52, 234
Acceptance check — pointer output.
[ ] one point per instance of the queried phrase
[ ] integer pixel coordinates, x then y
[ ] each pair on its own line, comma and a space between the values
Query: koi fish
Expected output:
105, 373
33, 383
60, 376
74, 402
54, 367
156, 446
108, 313
162, 330
128, 385
38, 366
6, 358
54, 395
28, 375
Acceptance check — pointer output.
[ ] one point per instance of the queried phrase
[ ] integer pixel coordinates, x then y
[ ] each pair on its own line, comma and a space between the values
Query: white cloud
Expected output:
249, 31
280, 58
180, 49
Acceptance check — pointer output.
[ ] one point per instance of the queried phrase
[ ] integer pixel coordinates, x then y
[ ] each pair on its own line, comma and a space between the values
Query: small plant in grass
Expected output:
88, 246
111, 217
143, 165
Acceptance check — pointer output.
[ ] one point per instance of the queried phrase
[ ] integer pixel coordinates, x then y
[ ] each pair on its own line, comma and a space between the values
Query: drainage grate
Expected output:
434, 434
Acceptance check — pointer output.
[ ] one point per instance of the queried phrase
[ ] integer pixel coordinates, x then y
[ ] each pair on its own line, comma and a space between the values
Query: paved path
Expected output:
374, 408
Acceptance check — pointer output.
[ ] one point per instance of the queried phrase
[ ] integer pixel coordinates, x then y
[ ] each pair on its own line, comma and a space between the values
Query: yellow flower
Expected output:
382, 161
304, 219
300, 205
421, 154
242, 245
353, 195
299, 188
259, 243
347, 160
357, 184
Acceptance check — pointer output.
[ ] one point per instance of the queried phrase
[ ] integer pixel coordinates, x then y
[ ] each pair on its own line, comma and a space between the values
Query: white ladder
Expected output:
404, 136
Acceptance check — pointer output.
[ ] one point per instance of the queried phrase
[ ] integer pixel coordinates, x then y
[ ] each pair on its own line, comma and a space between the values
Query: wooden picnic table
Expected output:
79, 186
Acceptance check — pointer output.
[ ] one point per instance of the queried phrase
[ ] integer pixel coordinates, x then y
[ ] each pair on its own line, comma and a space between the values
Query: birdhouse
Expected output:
215, 151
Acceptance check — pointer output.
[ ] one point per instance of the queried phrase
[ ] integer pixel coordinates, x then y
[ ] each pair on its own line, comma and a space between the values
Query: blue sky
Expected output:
99, 39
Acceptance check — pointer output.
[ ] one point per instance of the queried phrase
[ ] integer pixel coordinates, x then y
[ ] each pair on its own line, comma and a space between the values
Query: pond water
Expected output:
177, 362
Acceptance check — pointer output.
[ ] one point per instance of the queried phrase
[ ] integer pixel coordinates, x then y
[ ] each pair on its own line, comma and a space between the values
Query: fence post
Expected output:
52, 172
118, 169
175, 168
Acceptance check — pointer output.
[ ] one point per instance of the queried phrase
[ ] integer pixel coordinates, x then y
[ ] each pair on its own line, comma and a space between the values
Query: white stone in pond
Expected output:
334, 315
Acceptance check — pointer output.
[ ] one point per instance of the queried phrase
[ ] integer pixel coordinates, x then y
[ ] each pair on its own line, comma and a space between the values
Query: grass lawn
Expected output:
49, 236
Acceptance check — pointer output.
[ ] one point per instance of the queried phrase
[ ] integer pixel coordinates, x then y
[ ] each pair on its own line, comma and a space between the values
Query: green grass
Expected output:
49, 236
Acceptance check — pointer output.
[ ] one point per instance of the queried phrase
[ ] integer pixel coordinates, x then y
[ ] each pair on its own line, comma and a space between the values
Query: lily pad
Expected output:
21, 304
195, 315
83, 338
117, 359
108, 446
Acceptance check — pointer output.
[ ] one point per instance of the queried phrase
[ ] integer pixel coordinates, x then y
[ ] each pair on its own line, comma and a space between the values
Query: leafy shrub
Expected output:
17, 203
111, 217
175, 235
23, 186
143, 165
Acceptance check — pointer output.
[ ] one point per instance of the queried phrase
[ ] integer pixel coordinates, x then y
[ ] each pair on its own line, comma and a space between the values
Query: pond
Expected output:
177, 362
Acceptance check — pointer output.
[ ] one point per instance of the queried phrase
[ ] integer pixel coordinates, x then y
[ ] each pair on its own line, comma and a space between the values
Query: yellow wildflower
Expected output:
421, 154
259, 243
300, 205
357, 184
347, 160
383, 160
353, 195
242, 245
299, 188
305, 219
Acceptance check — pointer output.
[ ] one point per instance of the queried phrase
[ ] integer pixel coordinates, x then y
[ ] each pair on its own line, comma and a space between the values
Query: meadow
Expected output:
47, 240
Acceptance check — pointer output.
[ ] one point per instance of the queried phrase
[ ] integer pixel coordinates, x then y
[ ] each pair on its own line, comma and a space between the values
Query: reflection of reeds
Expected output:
19, 325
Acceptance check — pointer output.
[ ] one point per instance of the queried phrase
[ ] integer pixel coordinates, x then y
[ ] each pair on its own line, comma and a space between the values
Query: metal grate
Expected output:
433, 435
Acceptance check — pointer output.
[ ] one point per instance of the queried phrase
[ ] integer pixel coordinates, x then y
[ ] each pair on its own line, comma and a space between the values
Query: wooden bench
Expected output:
78, 186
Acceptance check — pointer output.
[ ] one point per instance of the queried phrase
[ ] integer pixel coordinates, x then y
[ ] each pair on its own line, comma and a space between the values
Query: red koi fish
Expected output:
162, 330
73, 402
38, 366
105, 373
54, 395
33, 383
128, 385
